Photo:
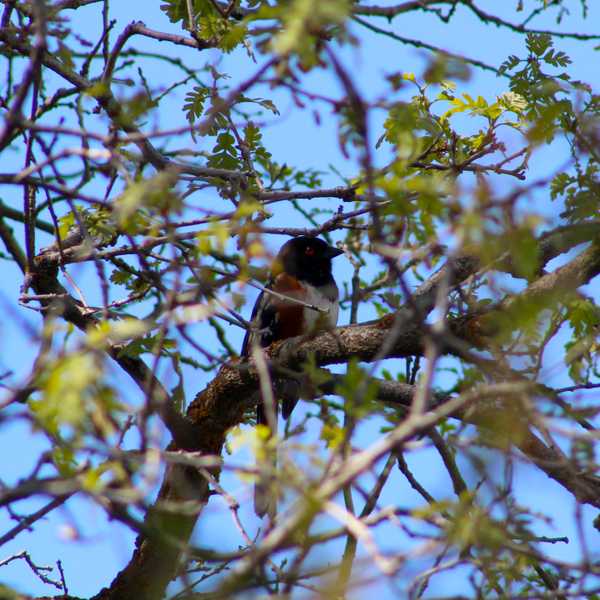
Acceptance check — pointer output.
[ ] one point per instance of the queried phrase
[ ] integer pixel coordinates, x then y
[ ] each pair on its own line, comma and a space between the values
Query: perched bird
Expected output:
301, 298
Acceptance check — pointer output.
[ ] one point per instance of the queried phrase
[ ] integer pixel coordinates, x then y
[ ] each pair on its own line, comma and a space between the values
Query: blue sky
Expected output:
92, 561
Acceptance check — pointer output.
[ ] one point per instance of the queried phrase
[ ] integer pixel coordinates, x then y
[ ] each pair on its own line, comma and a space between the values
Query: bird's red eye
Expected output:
310, 251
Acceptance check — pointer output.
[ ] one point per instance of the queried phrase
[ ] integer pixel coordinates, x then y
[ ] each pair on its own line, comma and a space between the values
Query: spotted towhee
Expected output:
301, 298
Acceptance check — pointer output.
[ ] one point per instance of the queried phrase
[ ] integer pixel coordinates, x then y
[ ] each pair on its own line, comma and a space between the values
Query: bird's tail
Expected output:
266, 492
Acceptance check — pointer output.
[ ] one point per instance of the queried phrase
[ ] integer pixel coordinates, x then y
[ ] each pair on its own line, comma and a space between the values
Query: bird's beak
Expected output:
333, 252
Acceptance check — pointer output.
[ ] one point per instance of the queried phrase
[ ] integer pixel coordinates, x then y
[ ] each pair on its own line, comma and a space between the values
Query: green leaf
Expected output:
154, 193
332, 434
194, 103
176, 10
116, 332
303, 17
225, 153
538, 43
65, 384
233, 37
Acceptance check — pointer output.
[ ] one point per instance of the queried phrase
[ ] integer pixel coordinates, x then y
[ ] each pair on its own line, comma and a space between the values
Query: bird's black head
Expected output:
307, 259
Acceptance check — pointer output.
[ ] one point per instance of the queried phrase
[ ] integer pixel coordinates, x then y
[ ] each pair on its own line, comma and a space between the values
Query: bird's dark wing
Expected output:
263, 318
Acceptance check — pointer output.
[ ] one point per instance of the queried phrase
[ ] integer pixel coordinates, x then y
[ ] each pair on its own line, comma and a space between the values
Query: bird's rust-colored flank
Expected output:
291, 315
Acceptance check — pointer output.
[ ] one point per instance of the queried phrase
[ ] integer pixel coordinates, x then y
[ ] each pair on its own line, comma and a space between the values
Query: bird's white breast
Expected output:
325, 299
